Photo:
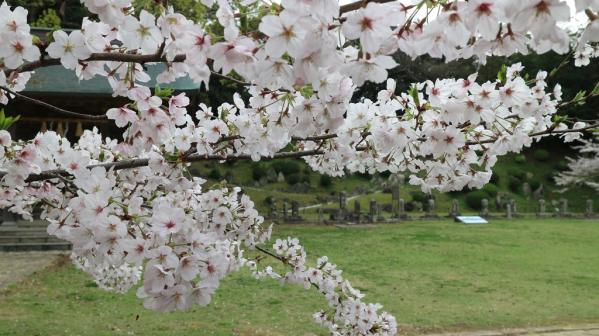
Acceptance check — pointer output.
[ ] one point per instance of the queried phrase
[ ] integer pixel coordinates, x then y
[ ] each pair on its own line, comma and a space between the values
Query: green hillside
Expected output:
293, 180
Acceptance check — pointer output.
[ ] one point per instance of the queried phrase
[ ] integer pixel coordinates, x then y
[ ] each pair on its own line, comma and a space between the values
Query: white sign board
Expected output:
471, 220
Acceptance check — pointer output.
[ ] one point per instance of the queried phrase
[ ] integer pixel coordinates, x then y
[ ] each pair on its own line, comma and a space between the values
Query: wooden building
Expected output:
61, 87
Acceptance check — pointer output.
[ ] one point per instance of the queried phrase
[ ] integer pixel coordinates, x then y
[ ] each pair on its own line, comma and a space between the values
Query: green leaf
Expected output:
558, 118
580, 97
243, 20
413, 91
502, 74
307, 91
165, 92
7, 122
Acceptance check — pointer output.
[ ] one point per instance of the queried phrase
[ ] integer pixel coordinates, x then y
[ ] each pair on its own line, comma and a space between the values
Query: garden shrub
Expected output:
215, 174
325, 181
520, 158
293, 179
305, 178
259, 171
474, 199
418, 196
541, 155
561, 165
230, 177
535, 184
491, 190
494, 179
514, 184
365, 176
287, 167
516, 173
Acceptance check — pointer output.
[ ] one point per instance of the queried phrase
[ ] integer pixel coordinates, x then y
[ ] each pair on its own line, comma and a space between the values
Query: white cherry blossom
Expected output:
69, 48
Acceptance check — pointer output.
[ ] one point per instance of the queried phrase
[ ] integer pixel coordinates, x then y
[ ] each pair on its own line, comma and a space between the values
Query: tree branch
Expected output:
52, 107
565, 131
234, 80
358, 4
136, 163
546, 132
265, 251
115, 57
316, 137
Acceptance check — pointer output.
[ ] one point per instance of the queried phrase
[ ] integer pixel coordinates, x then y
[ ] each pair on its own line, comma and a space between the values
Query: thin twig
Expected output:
116, 57
546, 132
52, 107
358, 4
271, 254
234, 80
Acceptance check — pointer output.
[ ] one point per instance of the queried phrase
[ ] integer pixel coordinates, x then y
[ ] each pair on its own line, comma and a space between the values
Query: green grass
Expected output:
430, 275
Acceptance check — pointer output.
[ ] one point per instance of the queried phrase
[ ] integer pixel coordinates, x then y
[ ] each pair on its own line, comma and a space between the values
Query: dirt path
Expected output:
577, 330
16, 266
318, 205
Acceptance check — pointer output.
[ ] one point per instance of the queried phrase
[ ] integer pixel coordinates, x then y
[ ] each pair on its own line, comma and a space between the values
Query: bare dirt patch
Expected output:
17, 266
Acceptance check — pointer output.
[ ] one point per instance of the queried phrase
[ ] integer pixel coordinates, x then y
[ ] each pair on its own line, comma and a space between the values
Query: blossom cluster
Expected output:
348, 314
448, 133
185, 238
130, 207
109, 277
158, 222
299, 44
16, 42
583, 55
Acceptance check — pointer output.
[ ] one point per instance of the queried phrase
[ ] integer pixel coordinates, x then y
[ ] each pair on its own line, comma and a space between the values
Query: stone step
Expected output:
37, 239
25, 223
15, 231
62, 246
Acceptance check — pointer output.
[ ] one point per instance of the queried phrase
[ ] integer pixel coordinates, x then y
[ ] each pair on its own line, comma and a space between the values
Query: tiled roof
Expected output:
56, 79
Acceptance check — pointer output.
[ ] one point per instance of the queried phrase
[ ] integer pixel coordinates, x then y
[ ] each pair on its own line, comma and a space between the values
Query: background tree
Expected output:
584, 169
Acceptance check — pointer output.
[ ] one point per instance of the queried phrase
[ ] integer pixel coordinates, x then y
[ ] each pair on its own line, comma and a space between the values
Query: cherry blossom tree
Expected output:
583, 170
132, 211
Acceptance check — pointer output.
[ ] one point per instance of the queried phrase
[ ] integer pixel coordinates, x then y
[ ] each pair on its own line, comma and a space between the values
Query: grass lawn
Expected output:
431, 275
